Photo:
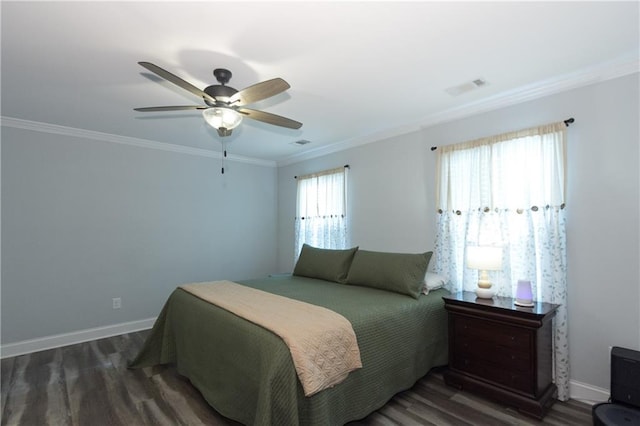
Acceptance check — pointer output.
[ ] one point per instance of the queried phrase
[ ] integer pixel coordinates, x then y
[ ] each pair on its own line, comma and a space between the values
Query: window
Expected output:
508, 191
321, 212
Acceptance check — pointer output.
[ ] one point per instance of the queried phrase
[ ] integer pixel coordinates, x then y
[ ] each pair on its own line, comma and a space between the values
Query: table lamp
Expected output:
484, 258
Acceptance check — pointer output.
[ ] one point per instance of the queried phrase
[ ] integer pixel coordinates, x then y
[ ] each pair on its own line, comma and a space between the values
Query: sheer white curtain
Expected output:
321, 213
509, 191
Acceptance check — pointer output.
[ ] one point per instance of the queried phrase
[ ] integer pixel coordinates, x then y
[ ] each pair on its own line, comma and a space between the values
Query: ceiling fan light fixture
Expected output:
222, 118
223, 102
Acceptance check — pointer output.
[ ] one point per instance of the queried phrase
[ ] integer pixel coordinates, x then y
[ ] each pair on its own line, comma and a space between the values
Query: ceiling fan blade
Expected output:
176, 80
267, 117
171, 108
259, 91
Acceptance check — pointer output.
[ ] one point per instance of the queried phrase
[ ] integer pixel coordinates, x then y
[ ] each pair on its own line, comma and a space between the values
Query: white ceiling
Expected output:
357, 70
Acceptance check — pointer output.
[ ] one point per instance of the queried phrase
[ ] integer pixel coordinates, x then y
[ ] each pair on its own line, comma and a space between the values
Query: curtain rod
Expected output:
566, 123
346, 166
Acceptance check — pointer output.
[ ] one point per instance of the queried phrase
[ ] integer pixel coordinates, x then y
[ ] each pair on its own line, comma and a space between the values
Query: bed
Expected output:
246, 372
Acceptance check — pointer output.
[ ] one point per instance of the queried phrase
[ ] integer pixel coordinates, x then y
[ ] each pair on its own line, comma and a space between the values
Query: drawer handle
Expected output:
513, 338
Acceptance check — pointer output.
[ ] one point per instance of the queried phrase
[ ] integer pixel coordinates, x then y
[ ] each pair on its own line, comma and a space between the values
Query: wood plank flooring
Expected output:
89, 384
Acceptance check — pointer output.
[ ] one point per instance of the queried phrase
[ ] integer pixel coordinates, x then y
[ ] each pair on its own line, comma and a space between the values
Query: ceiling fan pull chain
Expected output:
224, 154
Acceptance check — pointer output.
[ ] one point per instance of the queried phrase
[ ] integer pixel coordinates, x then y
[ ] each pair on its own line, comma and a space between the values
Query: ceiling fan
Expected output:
225, 106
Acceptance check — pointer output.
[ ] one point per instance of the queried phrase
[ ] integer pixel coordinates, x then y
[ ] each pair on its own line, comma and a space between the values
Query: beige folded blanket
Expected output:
323, 344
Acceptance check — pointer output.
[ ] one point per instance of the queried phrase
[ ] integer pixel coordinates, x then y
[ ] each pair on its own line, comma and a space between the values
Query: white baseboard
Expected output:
65, 339
587, 393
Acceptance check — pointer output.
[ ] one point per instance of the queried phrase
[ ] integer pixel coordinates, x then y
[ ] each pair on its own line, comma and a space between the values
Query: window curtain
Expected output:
321, 213
509, 191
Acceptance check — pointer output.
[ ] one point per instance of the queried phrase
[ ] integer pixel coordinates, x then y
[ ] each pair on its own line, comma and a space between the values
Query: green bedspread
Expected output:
246, 373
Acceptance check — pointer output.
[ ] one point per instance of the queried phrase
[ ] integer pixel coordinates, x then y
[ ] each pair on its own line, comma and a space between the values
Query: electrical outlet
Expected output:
117, 303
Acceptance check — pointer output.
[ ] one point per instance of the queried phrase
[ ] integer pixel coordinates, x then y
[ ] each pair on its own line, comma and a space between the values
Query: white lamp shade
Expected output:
484, 258
220, 118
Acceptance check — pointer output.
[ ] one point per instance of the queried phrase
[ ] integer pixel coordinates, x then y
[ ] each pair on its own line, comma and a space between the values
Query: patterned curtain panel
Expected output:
321, 213
508, 191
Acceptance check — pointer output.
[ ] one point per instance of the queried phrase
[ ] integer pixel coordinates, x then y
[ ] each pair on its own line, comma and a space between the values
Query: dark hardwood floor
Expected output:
89, 384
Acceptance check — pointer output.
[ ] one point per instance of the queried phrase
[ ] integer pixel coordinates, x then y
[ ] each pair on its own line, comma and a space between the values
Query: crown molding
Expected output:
549, 87
603, 72
607, 71
36, 126
348, 144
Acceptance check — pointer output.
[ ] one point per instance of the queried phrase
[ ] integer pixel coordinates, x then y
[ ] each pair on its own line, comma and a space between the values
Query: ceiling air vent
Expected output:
466, 87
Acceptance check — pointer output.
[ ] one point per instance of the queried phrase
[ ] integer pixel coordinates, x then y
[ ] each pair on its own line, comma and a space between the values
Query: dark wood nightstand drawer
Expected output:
493, 354
518, 380
497, 334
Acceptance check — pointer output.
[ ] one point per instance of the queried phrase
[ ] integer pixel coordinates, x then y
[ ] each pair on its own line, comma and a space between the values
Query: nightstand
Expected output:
501, 351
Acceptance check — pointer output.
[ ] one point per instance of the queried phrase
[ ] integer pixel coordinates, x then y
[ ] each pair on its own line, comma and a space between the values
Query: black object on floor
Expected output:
623, 408
612, 414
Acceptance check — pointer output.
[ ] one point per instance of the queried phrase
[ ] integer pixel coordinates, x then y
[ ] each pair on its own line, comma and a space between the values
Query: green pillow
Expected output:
324, 264
398, 272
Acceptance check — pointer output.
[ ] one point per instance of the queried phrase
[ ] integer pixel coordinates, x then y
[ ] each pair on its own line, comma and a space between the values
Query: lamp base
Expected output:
485, 293
524, 303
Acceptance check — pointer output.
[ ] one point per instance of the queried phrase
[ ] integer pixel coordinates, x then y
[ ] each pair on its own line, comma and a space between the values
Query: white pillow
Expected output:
433, 281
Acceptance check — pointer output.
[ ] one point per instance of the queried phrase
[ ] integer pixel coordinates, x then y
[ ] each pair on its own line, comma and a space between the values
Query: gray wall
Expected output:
391, 206
389, 196
85, 221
